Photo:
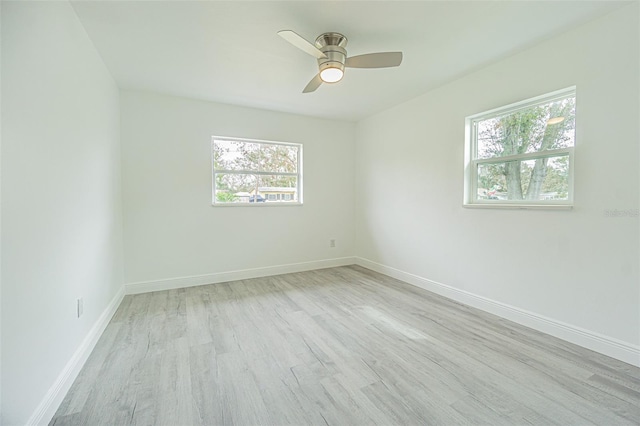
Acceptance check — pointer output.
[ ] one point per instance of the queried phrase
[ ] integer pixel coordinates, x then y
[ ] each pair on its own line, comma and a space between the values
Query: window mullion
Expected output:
528, 156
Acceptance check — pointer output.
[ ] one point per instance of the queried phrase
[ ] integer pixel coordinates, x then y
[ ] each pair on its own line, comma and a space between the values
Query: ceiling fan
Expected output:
330, 51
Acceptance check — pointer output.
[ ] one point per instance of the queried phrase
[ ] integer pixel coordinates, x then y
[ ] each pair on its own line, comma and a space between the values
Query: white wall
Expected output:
171, 229
61, 197
575, 267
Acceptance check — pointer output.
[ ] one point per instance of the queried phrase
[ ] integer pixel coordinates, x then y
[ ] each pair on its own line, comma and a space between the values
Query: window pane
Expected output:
541, 127
539, 179
278, 188
249, 188
249, 156
236, 155
279, 158
234, 188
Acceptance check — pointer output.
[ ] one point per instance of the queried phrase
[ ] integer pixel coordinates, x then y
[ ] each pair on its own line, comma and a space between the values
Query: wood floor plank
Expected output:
338, 346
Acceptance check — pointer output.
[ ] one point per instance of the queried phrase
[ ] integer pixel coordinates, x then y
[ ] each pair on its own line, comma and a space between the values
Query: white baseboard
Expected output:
609, 346
220, 277
52, 400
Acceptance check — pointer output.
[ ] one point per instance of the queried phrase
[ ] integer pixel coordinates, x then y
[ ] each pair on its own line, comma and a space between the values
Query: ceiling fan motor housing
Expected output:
330, 51
332, 45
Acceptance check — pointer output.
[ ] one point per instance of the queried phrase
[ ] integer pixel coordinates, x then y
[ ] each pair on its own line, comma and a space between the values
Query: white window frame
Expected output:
299, 186
471, 162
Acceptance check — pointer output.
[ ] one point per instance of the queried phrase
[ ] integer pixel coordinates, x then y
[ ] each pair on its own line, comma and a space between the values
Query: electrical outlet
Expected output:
80, 307
332, 243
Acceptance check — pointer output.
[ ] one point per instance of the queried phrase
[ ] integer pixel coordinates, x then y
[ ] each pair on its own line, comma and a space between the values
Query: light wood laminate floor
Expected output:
340, 346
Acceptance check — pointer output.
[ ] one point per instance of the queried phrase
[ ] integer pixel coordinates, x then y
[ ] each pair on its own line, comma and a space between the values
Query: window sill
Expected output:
517, 206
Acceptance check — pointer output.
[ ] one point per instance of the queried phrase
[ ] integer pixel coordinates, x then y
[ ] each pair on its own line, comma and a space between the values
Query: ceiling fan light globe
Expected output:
331, 75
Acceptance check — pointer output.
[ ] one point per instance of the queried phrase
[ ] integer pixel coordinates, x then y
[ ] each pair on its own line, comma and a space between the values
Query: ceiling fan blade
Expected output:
375, 60
302, 44
313, 84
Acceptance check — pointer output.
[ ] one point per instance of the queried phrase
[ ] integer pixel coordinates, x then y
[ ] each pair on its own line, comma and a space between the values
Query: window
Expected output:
522, 154
250, 172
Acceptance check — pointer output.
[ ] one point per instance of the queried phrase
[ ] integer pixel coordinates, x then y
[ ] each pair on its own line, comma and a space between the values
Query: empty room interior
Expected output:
320, 212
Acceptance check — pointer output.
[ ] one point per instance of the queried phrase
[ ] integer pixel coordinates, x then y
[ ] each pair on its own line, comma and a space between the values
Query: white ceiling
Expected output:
229, 52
